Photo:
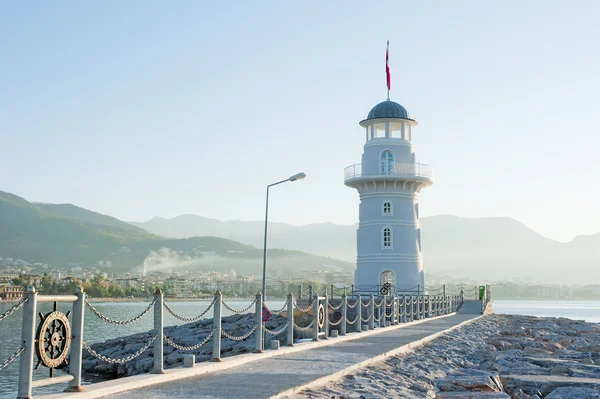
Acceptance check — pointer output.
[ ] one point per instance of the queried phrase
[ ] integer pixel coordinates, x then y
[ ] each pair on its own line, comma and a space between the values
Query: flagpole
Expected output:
387, 69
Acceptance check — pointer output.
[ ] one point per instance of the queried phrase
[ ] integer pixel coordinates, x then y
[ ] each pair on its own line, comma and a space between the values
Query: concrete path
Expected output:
272, 376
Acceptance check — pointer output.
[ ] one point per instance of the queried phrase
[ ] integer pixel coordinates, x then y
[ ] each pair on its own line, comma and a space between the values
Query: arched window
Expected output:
386, 209
387, 238
387, 162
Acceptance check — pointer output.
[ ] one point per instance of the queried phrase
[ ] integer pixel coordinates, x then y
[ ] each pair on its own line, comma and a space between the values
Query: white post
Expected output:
259, 324
404, 310
419, 307
217, 312
344, 314
326, 316
77, 342
28, 342
158, 329
290, 319
396, 309
372, 313
316, 318
358, 307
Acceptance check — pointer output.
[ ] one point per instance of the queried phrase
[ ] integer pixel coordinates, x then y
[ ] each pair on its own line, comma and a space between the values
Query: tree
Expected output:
46, 283
21, 280
116, 291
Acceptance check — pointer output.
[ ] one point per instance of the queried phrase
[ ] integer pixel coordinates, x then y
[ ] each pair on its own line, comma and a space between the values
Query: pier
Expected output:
321, 337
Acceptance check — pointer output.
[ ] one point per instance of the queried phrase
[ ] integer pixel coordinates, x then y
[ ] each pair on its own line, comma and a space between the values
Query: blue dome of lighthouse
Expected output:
388, 109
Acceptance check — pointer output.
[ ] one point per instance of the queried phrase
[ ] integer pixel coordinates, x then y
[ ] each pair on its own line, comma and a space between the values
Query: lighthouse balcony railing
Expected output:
397, 169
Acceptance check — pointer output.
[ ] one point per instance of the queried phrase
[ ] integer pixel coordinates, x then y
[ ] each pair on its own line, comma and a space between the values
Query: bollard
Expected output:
344, 315
334, 333
216, 350
372, 313
300, 291
28, 342
259, 324
310, 292
326, 316
189, 360
316, 318
275, 345
290, 319
157, 349
77, 342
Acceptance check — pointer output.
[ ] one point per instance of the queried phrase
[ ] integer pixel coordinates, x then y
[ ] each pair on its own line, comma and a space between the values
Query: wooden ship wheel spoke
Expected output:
53, 339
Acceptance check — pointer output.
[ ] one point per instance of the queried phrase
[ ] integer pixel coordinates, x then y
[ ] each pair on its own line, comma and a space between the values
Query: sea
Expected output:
96, 330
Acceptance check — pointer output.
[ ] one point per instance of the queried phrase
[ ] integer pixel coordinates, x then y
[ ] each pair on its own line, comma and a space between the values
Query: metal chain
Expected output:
307, 309
188, 319
308, 327
119, 361
241, 338
238, 311
353, 306
278, 312
12, 310
11, 358
334, 307
378, 319
367, 304
355, 320
189, 348
277, 332
120, 322
335, 323
380, 303
364, 320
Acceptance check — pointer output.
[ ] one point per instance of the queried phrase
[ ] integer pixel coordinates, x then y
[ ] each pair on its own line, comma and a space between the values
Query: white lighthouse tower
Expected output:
388, 182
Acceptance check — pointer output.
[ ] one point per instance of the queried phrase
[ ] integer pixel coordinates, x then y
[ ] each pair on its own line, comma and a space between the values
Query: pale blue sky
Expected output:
146, 108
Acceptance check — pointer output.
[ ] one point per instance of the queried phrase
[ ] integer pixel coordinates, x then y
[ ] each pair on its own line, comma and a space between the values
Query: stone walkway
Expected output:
272, 376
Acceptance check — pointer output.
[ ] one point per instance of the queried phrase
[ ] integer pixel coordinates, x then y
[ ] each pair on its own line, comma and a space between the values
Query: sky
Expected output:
147, 108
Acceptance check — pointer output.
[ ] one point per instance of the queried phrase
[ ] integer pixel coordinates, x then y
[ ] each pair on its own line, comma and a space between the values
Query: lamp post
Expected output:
297, 176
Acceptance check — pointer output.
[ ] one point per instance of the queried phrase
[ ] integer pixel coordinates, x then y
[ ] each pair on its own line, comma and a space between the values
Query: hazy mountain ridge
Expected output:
63, 234
498, 248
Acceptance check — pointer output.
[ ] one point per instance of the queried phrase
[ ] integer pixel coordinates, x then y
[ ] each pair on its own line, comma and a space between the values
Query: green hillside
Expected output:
62, 234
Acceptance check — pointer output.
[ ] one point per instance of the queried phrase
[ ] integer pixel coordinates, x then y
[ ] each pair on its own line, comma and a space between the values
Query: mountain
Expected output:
63, 234
480, 248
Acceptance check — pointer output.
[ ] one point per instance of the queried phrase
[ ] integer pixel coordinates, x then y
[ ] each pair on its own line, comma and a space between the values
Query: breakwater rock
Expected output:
184, 335
495, 357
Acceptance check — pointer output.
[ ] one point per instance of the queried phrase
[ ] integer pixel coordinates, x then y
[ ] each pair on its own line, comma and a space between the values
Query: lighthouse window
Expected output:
387, 162
387, 237
387, 209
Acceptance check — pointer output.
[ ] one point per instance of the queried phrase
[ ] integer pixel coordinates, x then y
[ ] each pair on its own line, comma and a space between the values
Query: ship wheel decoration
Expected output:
385, 289
53, 339
321, 316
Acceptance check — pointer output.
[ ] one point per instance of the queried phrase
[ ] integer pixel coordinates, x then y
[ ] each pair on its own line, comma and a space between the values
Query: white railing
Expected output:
397, 169
318, 319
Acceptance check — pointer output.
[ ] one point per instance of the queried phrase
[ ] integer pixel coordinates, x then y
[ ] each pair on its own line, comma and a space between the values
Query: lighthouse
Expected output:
389, 180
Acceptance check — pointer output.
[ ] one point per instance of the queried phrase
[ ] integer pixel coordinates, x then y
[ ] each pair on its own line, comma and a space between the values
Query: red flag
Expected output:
387, 68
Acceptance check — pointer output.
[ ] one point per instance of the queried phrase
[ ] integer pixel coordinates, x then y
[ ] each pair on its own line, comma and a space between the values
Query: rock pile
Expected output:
496, 357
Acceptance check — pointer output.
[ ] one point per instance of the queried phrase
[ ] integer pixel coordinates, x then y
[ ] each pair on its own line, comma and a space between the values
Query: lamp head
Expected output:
297, 176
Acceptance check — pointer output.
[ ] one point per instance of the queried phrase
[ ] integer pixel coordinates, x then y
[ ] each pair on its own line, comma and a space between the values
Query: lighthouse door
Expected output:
387, 283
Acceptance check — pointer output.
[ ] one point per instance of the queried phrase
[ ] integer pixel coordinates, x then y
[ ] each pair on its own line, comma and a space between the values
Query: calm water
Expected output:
96, 330
578, 310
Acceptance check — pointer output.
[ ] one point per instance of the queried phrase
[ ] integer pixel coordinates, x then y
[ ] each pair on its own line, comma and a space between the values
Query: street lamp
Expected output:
297, 176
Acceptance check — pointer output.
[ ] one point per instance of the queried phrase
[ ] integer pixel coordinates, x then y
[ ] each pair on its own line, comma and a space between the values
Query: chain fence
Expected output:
334, 307
188, 319
351, 306
189, 348
240, 311
11, 358
355, 320
307, 328
13, 309
120, 322
278, 312
277, 332
240, 338
122, 360
307, 309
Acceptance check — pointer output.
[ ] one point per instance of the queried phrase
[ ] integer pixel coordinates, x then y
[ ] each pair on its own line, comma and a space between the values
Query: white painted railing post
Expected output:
326, 316
310, 292
217, 314
396, 310
403, 312
290, 319
419, 307
344, 314
358, 308
316, 318
27, 342
77, 342
157, 349
259, 324
372, 313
